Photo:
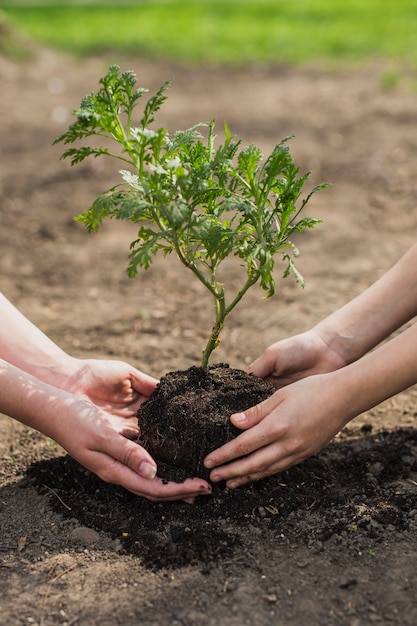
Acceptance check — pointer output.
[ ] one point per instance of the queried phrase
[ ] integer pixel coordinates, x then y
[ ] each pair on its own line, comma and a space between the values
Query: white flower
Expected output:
131, 179
173, 163
142, 132
157, 168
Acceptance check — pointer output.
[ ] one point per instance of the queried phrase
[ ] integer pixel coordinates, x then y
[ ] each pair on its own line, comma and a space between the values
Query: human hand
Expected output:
294, 423
102, 443
297, 357
114, 391
113, 386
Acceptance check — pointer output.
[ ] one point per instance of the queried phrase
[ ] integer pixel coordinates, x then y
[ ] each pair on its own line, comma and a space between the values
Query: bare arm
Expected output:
24, 345
371, 317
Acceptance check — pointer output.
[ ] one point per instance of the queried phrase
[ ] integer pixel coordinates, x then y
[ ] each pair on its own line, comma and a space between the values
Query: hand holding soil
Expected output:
88, 406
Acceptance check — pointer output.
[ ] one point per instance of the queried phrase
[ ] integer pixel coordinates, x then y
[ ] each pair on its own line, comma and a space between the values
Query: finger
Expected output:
157, 490
131, 466
128, 453
253, 415
266, 364
252, 475
260, 367
268, 372
130, 432
127, 426
241, 446
259, 465
250, 440
142, 383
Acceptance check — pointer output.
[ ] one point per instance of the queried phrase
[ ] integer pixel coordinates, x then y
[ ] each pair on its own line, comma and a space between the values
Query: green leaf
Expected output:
103, 206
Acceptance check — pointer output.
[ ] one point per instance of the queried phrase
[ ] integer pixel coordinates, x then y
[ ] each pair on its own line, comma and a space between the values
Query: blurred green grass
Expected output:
227, 31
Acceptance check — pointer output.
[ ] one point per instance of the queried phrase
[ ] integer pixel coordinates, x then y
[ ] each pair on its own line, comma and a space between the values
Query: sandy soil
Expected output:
330, 542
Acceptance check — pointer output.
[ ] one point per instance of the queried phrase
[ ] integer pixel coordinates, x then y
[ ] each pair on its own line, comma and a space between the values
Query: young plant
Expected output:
190, 197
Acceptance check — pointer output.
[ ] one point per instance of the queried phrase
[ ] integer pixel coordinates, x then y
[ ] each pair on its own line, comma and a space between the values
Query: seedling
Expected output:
189, 197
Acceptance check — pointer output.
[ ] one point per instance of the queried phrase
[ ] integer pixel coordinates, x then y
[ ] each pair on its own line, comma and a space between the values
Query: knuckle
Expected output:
255, 413
127, 455
257, 467
243, 448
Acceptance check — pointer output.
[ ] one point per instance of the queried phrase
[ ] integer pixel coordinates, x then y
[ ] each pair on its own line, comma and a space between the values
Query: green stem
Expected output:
213, 341
191, 266
250, 281
221, 313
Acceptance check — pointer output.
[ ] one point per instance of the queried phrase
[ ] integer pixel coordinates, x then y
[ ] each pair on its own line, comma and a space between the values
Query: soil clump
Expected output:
188, 415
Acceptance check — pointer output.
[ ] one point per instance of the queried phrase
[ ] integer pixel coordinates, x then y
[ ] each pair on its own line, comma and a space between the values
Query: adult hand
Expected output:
96, 437
292, 359
101, 442
114, 386
294, 423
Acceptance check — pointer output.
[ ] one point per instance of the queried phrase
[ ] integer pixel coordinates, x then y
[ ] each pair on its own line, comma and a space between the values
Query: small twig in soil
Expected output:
60, 499
51, 583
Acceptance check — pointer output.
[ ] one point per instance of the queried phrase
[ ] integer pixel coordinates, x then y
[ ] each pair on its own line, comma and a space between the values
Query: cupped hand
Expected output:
292, 359
294, 423
102, 443
114, 386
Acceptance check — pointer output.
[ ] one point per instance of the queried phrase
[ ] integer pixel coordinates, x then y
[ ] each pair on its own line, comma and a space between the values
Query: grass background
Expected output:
227, 31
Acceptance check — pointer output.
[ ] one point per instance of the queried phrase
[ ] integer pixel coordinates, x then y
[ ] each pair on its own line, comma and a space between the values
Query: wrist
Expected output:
62, 373
329, 348
342, 341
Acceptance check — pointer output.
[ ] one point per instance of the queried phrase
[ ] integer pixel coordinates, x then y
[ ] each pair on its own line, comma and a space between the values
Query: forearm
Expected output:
371, 317
31, 401
24, 345
378, 375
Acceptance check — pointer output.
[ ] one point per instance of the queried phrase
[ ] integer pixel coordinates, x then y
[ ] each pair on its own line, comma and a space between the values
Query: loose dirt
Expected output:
330, 542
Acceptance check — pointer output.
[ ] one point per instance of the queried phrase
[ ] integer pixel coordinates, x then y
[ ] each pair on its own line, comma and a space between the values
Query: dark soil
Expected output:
331, 542
188, 415
352, 495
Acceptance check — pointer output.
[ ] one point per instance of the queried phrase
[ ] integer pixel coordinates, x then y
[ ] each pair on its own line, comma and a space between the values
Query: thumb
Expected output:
266, 365
260, 367
135, 457
251, 416
142, 383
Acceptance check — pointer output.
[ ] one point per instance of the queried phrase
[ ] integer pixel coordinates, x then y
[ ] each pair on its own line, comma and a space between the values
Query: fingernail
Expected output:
209, 463
239, 418
215, 478
233, 485
147, 470
189, 500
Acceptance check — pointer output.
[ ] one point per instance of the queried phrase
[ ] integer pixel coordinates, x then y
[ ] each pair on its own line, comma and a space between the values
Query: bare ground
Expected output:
332, 541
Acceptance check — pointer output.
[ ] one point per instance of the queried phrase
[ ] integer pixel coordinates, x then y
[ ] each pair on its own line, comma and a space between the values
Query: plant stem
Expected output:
221, 313
213, 341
